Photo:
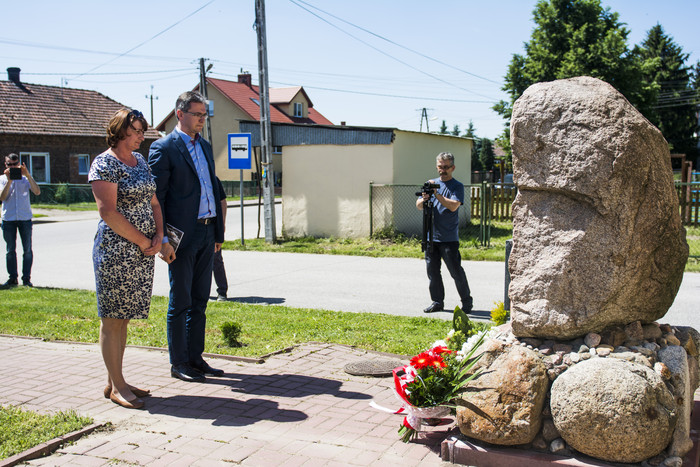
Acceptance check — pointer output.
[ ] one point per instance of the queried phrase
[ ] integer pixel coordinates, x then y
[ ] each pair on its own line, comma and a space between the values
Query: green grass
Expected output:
21, 430
386, 244
693, 239
67, 207
71, 315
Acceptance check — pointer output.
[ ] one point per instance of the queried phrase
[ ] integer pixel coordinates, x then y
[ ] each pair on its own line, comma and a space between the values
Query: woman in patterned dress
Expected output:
128, 236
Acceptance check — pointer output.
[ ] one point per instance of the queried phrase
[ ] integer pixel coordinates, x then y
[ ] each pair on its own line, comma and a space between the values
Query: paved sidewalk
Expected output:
297, 408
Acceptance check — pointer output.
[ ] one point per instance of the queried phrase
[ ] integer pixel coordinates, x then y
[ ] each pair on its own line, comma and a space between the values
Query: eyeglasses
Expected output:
138, 132
196, 114
136, 114
11, 164
445, 167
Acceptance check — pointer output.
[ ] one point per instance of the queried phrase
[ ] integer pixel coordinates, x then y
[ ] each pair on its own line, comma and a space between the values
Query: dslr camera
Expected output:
15, 173
428, 189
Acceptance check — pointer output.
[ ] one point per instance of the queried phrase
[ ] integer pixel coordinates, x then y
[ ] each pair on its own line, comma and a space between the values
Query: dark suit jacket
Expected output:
177, 185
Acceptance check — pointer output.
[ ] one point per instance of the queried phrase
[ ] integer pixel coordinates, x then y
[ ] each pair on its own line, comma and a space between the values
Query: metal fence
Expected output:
63, 193
393, 210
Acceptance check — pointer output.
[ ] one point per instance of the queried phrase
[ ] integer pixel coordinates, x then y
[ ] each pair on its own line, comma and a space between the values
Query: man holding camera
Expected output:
444, 233
15, 185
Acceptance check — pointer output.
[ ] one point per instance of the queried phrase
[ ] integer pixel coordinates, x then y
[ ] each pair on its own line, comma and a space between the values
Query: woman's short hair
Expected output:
119, 124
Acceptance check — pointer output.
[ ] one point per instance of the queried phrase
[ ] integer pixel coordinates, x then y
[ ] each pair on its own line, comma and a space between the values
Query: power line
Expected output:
113, 73
148, 40
391, 56
397, 44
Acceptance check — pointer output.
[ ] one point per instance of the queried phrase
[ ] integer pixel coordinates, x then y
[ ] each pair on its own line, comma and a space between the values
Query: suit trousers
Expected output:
448, 252
190, 284
220, 274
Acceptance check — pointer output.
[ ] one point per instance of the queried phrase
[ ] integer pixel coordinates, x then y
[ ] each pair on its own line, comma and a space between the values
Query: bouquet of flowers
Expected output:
431, 381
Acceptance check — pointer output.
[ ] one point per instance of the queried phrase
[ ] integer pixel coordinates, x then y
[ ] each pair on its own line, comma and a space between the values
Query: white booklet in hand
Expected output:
174, 235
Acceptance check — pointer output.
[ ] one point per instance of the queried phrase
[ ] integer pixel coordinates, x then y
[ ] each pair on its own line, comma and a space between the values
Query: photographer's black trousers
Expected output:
448, 252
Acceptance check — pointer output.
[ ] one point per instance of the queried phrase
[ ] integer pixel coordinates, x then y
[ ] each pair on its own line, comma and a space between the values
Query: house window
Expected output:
38, 165
298, 109
276, 149
83, 164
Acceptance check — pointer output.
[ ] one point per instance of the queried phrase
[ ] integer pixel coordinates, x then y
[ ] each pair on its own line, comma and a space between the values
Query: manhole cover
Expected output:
372, 367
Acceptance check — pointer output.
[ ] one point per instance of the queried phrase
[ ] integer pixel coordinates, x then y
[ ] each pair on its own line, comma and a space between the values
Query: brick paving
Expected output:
295, 409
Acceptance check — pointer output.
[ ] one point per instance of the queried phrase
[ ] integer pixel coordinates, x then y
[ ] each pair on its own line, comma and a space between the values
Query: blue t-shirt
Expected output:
446, 222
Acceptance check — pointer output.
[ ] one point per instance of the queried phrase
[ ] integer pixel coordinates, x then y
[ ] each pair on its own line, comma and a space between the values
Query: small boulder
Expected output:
613, 410
504, 404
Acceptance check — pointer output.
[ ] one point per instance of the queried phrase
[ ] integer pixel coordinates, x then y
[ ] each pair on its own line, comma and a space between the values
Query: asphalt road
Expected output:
397, 286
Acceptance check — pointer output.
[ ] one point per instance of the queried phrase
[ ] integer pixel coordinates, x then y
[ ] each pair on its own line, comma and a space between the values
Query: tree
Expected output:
574, 38
673, 109
486, 156
470, 132
455, 130
443, 128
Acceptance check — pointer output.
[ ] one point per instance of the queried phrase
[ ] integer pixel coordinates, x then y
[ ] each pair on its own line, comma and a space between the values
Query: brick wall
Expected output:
62, 150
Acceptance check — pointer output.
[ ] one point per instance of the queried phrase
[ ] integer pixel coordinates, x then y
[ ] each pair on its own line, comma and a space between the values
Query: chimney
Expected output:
13, 74
342, 123
243, 78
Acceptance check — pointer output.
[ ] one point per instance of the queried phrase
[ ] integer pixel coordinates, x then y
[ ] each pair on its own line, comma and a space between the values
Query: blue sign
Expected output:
239, 150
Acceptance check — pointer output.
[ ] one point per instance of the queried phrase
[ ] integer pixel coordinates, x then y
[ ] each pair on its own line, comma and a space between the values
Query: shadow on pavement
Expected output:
285, 385
222, 411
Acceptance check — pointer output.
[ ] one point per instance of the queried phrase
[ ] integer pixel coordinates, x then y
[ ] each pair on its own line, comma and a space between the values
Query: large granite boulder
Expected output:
504, 404
613, 410
597, 236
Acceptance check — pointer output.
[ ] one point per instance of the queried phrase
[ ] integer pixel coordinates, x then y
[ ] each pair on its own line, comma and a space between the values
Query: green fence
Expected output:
63, 193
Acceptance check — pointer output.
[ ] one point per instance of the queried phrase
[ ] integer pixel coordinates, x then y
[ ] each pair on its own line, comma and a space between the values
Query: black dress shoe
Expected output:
10, 283
186, 373
435, 306
27, 284
205, 369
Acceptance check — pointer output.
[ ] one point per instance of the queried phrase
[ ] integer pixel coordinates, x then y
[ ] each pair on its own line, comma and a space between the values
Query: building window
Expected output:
83, 164
276, 149
298, 109
38, 165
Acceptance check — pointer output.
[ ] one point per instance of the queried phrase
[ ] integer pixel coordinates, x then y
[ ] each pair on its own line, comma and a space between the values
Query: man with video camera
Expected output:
443, 233
15, 184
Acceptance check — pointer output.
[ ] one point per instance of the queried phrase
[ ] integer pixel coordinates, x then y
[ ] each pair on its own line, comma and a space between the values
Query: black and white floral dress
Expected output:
123, 274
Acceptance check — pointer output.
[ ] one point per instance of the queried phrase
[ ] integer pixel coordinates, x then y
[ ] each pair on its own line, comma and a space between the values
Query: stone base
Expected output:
459, 449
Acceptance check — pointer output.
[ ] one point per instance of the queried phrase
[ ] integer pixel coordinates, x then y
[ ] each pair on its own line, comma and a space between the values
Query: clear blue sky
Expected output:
375, 83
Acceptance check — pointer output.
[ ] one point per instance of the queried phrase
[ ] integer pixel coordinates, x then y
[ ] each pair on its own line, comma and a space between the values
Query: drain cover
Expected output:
372, 367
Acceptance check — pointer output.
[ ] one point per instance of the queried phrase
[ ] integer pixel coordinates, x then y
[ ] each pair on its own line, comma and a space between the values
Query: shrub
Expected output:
499, 315
231, 332
62, 195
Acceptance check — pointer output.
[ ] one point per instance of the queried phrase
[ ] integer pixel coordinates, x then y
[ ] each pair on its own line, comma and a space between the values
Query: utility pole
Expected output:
151, 97
265, 125
203, 92
424, 116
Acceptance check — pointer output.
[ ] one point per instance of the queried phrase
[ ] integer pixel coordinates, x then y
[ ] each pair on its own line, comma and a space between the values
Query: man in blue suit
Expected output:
183, 166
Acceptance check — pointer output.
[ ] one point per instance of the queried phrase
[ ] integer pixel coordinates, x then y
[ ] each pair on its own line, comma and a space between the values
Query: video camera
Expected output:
427, 189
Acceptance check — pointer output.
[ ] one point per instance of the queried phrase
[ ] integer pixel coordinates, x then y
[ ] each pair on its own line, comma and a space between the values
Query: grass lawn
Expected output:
21, 430
386, 245
71, 315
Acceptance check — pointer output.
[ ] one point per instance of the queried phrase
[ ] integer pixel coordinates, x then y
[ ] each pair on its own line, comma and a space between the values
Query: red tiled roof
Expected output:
248, 99
37, 109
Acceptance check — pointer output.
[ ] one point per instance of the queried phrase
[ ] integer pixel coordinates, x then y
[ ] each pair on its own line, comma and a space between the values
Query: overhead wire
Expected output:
437, 78
147, 40
397, 44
